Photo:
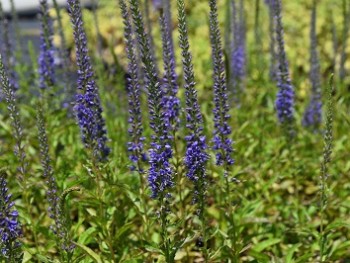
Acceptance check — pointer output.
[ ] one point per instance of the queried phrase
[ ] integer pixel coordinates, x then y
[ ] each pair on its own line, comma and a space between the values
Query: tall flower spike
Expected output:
10, 228
237, 61
148, 27
170, 86
160, 175
46, 56
334, 43
10, 98
135, 146
196, 156
8, 51
272, 26
63, 45
327, 157
313, 114
88, 106
69, 90
346, 22
285, 95
60, 227
222, 130
14, 16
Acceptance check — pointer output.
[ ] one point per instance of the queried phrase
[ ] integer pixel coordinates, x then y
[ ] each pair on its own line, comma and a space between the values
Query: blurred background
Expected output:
105, 33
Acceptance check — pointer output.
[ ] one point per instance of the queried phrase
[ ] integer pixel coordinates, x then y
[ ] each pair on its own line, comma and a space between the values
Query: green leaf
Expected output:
26, 257
153, 249
304, 258
265, 244
43, 258
290, 253
337, 224
90, 253
124, 229
86, 235
262, 258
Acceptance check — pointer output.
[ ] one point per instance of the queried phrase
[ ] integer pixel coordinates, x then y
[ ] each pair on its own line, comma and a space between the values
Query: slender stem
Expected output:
166, 246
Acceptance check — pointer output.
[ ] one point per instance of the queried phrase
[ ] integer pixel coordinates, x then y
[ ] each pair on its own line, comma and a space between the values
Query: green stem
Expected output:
166, 246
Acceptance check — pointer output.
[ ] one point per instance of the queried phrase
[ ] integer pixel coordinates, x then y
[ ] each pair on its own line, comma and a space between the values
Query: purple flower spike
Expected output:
222, 130
196, 156
170, 86
10, 228
160, 176
285, 95
135, 145
313, 114
238, 52
88, 106
46, 56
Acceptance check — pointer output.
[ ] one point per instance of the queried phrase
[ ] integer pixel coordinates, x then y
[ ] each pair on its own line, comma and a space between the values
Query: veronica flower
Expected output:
157, 4
285, 95
46, 56
55, 211
135, 146
196, 155
313, 113
334, 43
10, 228
346, 21
11, 102
222, 130
88, 106
69, 90
160, 177
14, 16
272, 31
238, 56
170, 86
8, 51
328, 140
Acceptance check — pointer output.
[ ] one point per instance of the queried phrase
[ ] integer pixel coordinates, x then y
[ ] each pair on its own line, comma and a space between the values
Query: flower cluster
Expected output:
222, 130
10, 228
285, 95
46, 56
313, 113
88, 106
